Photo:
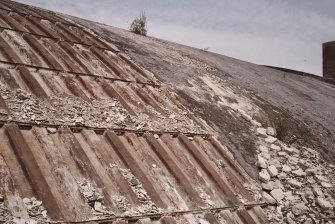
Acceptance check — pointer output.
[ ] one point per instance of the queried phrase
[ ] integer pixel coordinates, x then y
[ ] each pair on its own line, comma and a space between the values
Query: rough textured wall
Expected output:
329, 60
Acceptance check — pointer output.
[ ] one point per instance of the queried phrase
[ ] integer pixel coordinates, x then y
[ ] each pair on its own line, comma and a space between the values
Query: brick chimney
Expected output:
329, 60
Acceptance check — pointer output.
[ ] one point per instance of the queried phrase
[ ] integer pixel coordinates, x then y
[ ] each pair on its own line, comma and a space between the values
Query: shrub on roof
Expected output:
139, 25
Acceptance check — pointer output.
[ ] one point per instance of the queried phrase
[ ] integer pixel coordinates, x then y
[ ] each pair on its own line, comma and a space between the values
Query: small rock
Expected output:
268, 198
271, 131
44, 213
277, 194
52, 130
321, 178
263, 148
26, 200
264, 176
272, 171
299, 173
256, 123
326, 185
294, 183
261, 162
317, 191
275, 147
270, 139
286, 168
261, 132
156, 136
268, 186
323, 203
299, 209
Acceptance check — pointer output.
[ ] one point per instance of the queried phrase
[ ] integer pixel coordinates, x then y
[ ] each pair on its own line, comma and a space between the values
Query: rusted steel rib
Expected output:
135, 168
42, 51
85, 166
9, 53
109, 63
33, 171
211, 218
74, 88
32, 83
230, 160
168, 220
106, 159
133, 65
230, 198
148, 100
3, 106
8, 78
173, 167
12, 22
245, 216
114, 94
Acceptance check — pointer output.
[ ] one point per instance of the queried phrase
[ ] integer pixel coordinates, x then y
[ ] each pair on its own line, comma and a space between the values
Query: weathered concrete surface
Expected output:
213, 85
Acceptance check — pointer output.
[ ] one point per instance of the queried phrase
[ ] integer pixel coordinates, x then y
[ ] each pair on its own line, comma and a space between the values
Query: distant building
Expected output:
329, 60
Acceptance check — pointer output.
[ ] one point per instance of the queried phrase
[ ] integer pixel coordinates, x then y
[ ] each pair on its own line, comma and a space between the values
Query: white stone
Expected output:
264, 176
286, 168
317, 191
26, 200
271, 131
294, 183
277, 194
299, 209
261, 162
52, 130
270, 139
326, 185
156, 136
268, 198
256, 123
275, 147
321, 178
272, 171
268, 186
44, 213
299, 172
261, 132
323, 203
263, 148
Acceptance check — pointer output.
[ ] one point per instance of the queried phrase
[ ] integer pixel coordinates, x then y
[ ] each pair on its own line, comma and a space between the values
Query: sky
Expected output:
283, 33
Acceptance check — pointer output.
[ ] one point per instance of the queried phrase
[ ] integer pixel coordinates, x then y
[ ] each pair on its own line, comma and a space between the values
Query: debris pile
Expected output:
296, 181
97, 113
35, 210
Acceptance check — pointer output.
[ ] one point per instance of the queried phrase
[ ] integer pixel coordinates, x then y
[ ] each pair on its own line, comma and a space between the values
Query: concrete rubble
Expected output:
95, 113
296, 182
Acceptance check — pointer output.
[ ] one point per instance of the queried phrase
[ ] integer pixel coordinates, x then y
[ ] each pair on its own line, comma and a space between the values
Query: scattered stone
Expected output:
256, 123
263, 148
286, 168
299, 209
294, 183
321, 178
299, 173
156, 136
268, 186
268, 198
317, 191
277, 194
52, 130
271, 131
261, 132
275, 147
326, 185
272, 171
261, 162
264, 176
323, 203
311, 171
270, 139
